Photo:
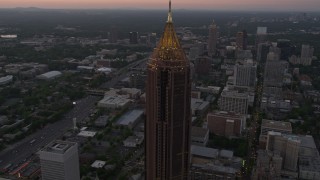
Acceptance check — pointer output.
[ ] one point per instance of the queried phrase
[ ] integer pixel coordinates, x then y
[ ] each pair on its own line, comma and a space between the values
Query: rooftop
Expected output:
276, 124
198, 131
58, 147
204, 151
50, 74
130, 117
307, 141
98, 164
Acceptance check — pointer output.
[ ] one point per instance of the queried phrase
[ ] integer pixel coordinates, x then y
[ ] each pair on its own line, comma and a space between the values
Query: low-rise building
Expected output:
274, 126
101, 121
133, 141
130, 119
6, 80
227, 124
113, 102
98, 164
309, 168
199, 106
199, 136
49, 75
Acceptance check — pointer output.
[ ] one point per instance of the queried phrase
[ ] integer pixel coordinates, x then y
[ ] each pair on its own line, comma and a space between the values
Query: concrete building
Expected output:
226, 123
309, 168
133, 141
262, 52
269, 165
261, 35
199, 106
6, 80
49, 75
213, 39
133, 37
209, 163
287, 145
60, 161
274, 71
202, 65
239, 40
234, 101
274, 126
199, 136
245, 74
306, 55
113, 102
308, 147
130, 119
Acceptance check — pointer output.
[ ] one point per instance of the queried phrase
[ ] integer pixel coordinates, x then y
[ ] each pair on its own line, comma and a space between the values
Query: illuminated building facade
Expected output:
168, 109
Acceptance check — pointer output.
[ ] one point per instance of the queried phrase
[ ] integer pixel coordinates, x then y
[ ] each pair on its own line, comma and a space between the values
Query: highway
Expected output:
22, 151
122, 73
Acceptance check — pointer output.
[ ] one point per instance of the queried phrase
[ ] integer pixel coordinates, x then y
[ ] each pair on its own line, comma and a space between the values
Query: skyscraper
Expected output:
213, 38
168, 109
261, 36
306, 54
133, 37
242, 40
245, 74
60, 161
239, 40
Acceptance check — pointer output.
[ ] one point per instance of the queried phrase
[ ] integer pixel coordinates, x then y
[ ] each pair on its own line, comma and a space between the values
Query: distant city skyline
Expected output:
276, 5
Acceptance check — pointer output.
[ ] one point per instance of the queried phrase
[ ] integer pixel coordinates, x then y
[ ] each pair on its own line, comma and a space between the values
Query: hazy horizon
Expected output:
240, 5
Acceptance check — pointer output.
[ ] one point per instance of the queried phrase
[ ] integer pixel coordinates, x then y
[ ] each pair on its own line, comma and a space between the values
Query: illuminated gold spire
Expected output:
169, 48
169, 13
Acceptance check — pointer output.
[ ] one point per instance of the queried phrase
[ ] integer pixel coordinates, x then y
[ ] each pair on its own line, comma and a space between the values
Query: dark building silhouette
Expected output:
113, 36
213, 39
203, 65
168, 109
133, 37
287, 48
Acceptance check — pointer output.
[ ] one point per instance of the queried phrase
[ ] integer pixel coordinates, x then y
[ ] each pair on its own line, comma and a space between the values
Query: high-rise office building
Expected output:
242, 40
287, 145
234, 101
60, 161
152, 39
306, 54
239, 40
262, 52
168, 109
133, 37
245, 74
286, 47
213, 39
113, 35
273, 75
261, 36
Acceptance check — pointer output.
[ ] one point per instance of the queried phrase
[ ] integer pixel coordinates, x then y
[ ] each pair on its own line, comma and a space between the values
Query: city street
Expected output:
20, 152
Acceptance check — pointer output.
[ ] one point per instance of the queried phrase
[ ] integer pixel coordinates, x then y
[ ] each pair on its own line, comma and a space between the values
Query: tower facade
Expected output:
168, 109
60, 161
213, 39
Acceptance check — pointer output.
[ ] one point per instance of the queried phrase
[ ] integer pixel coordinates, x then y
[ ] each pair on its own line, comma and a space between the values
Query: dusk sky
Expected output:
289, 5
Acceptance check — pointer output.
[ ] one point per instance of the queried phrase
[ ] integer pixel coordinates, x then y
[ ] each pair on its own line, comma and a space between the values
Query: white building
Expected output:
6, 80
130, 119
49, 75
234, 101
60, 161
245, 74
113, 102
306, 55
